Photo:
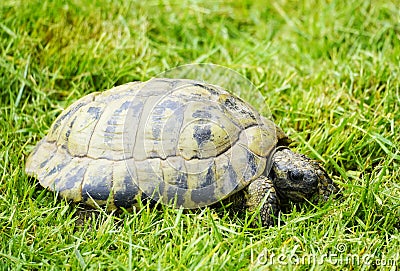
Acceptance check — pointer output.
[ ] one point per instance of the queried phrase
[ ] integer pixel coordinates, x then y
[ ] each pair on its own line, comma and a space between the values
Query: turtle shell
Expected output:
181, 141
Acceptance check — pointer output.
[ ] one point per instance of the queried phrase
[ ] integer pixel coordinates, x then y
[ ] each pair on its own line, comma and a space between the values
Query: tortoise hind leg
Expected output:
259, 191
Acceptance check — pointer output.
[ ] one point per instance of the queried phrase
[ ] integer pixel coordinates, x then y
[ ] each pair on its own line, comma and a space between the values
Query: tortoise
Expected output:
182, 142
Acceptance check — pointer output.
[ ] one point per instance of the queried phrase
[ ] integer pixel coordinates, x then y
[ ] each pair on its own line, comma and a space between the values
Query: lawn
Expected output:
329, 72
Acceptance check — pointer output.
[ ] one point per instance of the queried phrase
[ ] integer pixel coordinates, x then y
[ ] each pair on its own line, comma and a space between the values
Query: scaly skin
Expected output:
293, 177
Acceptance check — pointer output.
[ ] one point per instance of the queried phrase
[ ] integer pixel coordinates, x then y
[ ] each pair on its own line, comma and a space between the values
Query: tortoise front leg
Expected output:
256, 192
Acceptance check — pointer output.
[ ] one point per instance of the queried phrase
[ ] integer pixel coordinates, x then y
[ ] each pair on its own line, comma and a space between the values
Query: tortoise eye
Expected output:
296, 175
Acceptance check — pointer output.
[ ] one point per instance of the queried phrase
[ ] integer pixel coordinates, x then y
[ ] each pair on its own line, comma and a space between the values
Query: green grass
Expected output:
330, 73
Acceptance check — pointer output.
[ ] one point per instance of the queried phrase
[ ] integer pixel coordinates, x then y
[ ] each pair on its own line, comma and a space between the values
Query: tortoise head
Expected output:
296, 177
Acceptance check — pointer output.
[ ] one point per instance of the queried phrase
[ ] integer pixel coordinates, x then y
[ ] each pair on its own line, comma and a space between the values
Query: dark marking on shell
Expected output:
210, 177
100, 191
158, 113
181, 180
251, 162
180, 175
233, 179
156, 120
173, 83
231, 104
57, 168
126, 198
136, 108
201, 114
67, 134
112, 122
208, 88
110, 130
170, 104
66, 115
206, 194
95, 112
124, 106
144, 198
44, 163
159, 190
67, 182
52, 171
202, 134
174, 197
